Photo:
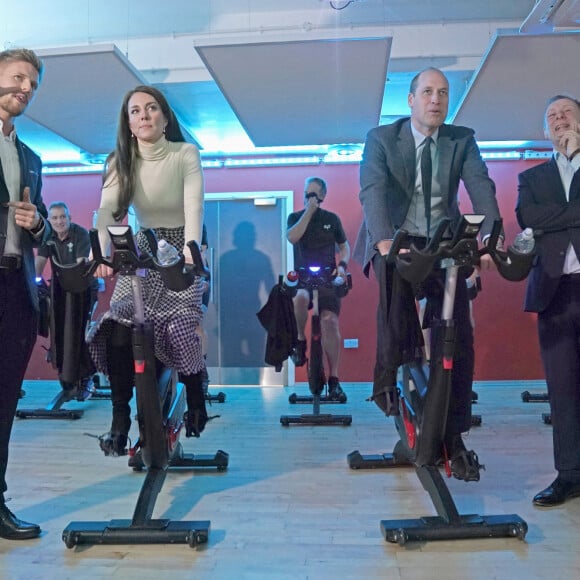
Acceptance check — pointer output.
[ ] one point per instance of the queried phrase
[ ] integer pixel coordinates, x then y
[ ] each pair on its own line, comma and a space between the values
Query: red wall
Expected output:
506, 342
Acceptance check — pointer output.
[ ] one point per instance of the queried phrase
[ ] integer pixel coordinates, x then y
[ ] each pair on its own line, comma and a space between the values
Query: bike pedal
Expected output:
113, 445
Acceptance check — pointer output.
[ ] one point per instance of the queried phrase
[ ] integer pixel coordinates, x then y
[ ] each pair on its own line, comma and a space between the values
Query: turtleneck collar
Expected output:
154, 151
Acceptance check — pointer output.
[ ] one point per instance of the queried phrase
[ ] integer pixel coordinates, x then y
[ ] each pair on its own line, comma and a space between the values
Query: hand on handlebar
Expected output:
384, 247
486, 263
104, 271
187, 255
340, 272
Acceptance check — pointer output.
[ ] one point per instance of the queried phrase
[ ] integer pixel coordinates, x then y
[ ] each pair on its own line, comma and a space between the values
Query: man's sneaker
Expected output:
335, 391
85, 390
299, 354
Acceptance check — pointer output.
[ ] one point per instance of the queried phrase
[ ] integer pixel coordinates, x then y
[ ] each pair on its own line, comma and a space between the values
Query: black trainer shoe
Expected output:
195, 422
299, 354
335, 391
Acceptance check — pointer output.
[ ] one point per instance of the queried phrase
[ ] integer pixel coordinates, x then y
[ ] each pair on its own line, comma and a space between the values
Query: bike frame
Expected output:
158, 440
425, 392
312, 279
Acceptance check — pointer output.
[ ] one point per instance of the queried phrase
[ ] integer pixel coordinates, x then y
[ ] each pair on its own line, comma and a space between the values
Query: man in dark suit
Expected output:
22, 226
394, 196
549, 203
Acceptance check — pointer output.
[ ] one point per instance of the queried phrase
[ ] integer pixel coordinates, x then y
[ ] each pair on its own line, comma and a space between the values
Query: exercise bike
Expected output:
160, 401
314, 278
74, 311
424, 391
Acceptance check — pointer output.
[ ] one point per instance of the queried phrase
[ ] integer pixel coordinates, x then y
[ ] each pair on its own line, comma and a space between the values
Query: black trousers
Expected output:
122, 377
18, 327
399, 336
559, 334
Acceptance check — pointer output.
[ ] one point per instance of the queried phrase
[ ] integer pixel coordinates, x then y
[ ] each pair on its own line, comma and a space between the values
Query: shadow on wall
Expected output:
244, 272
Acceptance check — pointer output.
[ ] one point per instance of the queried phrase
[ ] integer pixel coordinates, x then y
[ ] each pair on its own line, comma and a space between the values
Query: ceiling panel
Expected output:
552, 15
82, 90
309, 92
507, 97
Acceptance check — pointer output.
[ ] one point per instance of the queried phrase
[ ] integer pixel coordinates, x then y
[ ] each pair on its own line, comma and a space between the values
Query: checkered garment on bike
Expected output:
175, 315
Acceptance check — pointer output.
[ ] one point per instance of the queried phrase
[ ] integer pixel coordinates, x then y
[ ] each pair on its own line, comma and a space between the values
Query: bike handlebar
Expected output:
127, 259
415, 265
316, 277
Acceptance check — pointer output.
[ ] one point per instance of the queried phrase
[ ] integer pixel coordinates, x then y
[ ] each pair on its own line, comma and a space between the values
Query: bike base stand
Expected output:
465, 527
219, 398
125, 532
316, 417
294, 399
356, 460
142, 529
449, 524
219, 460
53, 410
312, 419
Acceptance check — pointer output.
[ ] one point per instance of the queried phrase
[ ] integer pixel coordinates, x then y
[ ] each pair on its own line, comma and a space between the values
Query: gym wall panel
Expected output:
505, 336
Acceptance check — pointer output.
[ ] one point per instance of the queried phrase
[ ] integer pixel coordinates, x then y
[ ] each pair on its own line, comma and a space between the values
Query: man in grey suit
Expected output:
549, 202
392, 196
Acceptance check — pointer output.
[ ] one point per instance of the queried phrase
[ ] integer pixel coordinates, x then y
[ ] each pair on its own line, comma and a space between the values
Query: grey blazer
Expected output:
387, 181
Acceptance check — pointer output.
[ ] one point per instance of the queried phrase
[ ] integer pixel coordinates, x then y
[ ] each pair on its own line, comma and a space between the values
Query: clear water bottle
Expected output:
167, 255
524, 242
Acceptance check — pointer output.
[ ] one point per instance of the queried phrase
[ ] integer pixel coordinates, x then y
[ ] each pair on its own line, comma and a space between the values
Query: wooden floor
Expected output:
288, 507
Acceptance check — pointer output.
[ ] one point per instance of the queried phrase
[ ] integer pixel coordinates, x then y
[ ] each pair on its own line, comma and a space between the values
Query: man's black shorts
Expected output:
327, 300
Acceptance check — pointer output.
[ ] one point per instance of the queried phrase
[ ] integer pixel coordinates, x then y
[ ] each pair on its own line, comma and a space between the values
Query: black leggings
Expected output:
122, 375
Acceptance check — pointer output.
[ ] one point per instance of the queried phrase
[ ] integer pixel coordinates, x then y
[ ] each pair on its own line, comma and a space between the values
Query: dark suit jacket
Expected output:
542, 206
31, 176
387, 180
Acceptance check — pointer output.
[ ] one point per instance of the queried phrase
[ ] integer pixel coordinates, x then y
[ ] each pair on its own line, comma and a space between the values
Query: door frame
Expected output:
269, 376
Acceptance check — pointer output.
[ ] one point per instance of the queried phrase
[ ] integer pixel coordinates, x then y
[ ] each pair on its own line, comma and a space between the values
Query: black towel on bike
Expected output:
277, 318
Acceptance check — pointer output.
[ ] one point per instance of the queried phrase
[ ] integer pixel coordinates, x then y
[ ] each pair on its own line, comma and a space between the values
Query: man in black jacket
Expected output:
22, 226
549, 203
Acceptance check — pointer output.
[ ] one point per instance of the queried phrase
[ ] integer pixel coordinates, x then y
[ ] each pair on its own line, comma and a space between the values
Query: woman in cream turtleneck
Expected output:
153, 171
